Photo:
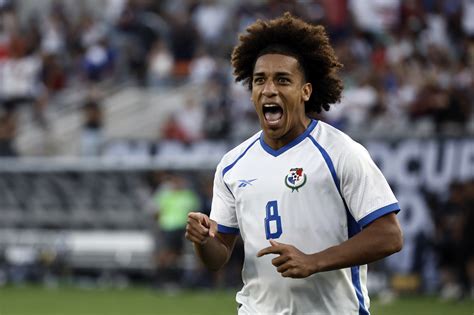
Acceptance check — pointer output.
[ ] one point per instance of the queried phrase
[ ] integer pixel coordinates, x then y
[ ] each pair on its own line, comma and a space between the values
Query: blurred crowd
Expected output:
454, 240
408, 70
408, 65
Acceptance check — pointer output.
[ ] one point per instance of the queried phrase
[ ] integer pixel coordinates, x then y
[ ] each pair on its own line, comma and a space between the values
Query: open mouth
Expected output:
272, 113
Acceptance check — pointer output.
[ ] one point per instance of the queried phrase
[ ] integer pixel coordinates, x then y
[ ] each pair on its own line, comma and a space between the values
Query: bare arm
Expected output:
379, 239
212, 248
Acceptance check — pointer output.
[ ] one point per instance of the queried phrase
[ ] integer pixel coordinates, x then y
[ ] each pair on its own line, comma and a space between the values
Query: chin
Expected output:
274, 134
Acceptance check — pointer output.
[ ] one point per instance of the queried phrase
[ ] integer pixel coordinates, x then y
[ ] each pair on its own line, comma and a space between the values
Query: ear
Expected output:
307, 90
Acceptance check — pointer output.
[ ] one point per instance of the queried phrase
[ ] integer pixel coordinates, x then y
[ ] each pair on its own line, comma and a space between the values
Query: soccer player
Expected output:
311, 206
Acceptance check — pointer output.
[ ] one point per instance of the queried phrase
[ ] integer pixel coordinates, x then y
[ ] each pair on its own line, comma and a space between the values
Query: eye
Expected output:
258, 80
283, 80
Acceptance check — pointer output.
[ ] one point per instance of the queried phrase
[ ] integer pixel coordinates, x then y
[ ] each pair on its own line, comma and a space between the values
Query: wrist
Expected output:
203, 242
316, 264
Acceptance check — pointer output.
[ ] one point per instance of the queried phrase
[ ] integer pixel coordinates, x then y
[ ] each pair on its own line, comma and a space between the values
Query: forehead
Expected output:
276, 63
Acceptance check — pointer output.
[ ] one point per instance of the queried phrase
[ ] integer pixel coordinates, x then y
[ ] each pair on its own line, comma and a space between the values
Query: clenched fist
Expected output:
200, 228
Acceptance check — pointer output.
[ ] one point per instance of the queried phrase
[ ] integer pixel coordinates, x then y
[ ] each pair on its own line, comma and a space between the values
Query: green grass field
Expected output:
141, 301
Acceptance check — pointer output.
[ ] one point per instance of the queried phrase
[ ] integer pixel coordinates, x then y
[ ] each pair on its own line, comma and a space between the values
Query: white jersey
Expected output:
316, 192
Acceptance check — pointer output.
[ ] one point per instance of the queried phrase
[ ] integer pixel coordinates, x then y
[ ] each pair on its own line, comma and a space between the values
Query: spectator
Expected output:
210, 18
184, 40
191, 119
202, 67
98, 61
216, 110
468, 239
52, 73
137, 37
173, 131
454, 242
19, 72
92, 138
160, 65
7, 134
172, 202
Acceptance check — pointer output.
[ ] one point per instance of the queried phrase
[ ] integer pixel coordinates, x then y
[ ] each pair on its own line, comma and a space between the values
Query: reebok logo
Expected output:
245, 182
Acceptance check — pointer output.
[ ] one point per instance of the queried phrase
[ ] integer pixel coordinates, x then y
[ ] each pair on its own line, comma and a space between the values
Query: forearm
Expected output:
214, 253
212, 248
371, 244
351, 253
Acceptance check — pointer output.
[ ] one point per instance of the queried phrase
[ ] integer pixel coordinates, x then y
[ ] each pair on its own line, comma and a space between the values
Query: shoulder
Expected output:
238, 152
336, 142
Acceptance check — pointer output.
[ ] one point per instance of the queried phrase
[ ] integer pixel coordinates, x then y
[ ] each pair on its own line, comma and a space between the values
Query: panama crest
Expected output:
295, 179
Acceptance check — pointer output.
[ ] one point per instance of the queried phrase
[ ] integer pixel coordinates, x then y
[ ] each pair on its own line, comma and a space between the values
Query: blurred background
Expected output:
114, 114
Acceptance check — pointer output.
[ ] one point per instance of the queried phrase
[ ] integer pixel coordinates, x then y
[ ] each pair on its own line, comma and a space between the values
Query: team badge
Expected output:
295, 179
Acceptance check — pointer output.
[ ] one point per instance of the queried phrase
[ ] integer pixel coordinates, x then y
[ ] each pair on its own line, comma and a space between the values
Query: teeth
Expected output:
270, 105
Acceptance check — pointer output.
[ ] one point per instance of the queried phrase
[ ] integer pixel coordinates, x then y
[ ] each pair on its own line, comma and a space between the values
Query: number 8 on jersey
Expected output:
272, 215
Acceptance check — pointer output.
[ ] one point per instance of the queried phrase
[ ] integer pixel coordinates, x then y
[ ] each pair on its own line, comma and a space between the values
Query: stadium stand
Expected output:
158, 73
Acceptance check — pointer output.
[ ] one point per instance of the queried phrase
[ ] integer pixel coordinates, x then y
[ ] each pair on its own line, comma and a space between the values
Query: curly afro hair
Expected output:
291, 36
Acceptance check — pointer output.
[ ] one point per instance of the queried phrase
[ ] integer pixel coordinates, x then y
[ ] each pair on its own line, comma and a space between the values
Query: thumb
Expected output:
205, 221
210, 225
212, 228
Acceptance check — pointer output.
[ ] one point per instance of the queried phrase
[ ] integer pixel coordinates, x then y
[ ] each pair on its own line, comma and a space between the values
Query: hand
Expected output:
200, 228
291, 262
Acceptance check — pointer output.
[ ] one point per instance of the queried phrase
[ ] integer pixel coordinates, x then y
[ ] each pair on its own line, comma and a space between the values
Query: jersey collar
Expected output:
285, 148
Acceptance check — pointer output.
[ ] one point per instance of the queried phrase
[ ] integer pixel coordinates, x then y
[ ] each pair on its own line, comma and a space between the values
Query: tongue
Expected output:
273, 116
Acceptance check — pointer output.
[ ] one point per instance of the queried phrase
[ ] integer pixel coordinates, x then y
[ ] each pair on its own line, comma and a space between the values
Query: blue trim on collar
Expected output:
394, 207
288, 146
227, 230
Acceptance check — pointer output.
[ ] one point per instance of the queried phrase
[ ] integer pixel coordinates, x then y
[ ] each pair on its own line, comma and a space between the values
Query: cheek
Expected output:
253, 96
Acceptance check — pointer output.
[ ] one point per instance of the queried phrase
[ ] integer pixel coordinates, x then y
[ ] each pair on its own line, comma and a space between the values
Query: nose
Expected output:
269, 89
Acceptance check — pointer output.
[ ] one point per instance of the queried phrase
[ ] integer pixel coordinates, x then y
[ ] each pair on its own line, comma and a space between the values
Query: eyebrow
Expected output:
281, 73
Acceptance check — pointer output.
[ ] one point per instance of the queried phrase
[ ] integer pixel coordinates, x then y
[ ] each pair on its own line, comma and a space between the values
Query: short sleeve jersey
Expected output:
315, 192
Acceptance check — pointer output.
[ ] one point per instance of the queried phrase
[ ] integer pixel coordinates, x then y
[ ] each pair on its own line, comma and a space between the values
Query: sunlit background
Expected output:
114, 114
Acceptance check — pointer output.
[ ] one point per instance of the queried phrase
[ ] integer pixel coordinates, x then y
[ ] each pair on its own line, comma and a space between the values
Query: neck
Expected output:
292, 134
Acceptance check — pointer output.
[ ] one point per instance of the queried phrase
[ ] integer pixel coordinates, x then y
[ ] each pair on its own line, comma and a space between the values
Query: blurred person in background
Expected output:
92, 138
202, 67
7, 134
160, 65
137, 36
172, 201
454, 242
191, 119
19, 76
211, 20
184, 43
216, 107
469, 239
331, 214
185, 125
173, 131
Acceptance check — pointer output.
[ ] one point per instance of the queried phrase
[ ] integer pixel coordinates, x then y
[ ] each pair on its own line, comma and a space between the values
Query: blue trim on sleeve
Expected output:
285, 148
352, 228
394, 207
227, 230
228, 167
